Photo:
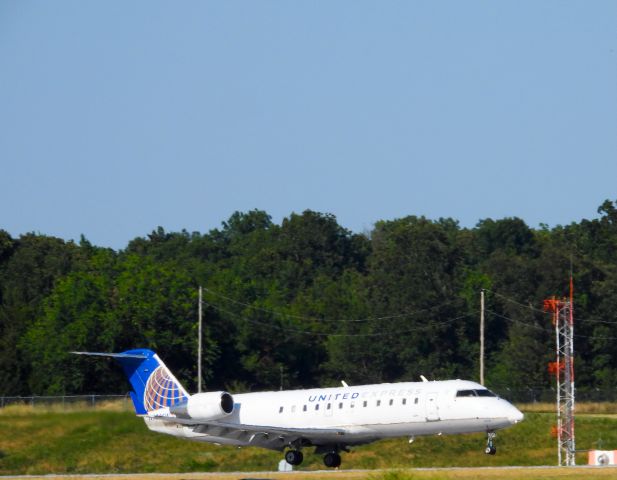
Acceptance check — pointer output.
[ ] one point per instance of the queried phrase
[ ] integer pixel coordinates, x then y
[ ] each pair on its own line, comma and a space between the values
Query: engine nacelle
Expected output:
204, 406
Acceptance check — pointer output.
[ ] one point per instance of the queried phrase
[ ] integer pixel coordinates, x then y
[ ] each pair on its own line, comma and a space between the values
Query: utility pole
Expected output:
199, 344
482, 337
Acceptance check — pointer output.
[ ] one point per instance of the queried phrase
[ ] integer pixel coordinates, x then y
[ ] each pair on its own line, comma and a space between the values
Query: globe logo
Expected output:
161, 390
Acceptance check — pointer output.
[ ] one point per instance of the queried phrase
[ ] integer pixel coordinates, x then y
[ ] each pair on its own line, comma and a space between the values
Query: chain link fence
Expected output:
69, 402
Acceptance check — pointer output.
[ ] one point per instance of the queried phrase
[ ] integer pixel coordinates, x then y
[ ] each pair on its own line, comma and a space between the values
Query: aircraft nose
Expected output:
515, 415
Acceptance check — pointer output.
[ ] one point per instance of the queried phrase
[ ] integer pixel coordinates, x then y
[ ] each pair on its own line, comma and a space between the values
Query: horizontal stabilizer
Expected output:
111, 355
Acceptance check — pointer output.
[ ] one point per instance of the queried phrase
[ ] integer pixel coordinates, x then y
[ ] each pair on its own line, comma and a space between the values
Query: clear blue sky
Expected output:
119, 116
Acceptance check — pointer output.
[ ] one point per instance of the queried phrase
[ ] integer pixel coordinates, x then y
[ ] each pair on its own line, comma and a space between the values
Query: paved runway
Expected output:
463, 473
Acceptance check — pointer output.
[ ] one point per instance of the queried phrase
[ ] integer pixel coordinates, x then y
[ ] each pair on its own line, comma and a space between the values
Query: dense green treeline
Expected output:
309, 302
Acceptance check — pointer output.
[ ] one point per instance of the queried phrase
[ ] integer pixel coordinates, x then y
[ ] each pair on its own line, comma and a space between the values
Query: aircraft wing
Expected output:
273, 438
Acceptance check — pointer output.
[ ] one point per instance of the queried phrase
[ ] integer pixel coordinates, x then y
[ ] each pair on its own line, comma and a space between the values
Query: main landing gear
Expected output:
332, 460
490, 444
294, 457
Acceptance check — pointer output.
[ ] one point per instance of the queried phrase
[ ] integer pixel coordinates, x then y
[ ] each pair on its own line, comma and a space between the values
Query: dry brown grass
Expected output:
59, 407
582, 408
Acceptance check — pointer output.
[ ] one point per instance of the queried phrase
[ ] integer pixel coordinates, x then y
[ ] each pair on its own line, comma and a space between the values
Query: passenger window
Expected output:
328, 406
352, 405
378, 402
365, 403
415, 401
391, 401
304, 408
340, 405
280, 409
317, 407
293, 409
404, 401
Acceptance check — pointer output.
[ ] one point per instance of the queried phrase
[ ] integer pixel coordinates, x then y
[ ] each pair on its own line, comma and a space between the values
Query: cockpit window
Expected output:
466, 393
485, 393
475, 393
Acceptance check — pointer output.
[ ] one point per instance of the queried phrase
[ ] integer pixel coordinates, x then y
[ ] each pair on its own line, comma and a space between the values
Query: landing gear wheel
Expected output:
490, 444
490, 450
332, 460
294, 457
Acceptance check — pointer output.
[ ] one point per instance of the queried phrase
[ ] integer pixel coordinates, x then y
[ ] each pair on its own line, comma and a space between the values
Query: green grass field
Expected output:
112, 441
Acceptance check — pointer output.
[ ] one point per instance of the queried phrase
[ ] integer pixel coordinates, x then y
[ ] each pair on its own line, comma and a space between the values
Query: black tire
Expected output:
332, 460
490, 450
294, 457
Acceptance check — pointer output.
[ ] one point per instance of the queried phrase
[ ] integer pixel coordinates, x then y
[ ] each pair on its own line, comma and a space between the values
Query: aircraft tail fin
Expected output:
154, 386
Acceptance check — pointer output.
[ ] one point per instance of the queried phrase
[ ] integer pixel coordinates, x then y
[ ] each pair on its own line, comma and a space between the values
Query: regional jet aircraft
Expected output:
329, 419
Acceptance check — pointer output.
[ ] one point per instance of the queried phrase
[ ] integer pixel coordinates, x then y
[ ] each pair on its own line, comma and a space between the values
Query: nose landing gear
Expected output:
490, 444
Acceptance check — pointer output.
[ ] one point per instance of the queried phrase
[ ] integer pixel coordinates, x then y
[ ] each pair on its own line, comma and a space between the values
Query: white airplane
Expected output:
329, 419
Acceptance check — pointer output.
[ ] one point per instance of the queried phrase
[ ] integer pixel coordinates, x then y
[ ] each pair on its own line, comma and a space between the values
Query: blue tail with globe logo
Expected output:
154, 386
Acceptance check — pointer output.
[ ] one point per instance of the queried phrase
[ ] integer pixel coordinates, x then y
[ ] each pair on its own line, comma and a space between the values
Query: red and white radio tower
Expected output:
563, 369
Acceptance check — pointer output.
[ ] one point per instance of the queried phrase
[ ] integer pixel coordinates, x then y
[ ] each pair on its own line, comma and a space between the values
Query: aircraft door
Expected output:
432, 407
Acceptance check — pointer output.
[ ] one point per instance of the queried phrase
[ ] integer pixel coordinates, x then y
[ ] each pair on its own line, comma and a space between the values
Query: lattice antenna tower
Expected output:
563, 369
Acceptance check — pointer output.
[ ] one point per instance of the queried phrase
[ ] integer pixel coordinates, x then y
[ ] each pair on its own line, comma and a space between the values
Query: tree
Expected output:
29, 268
